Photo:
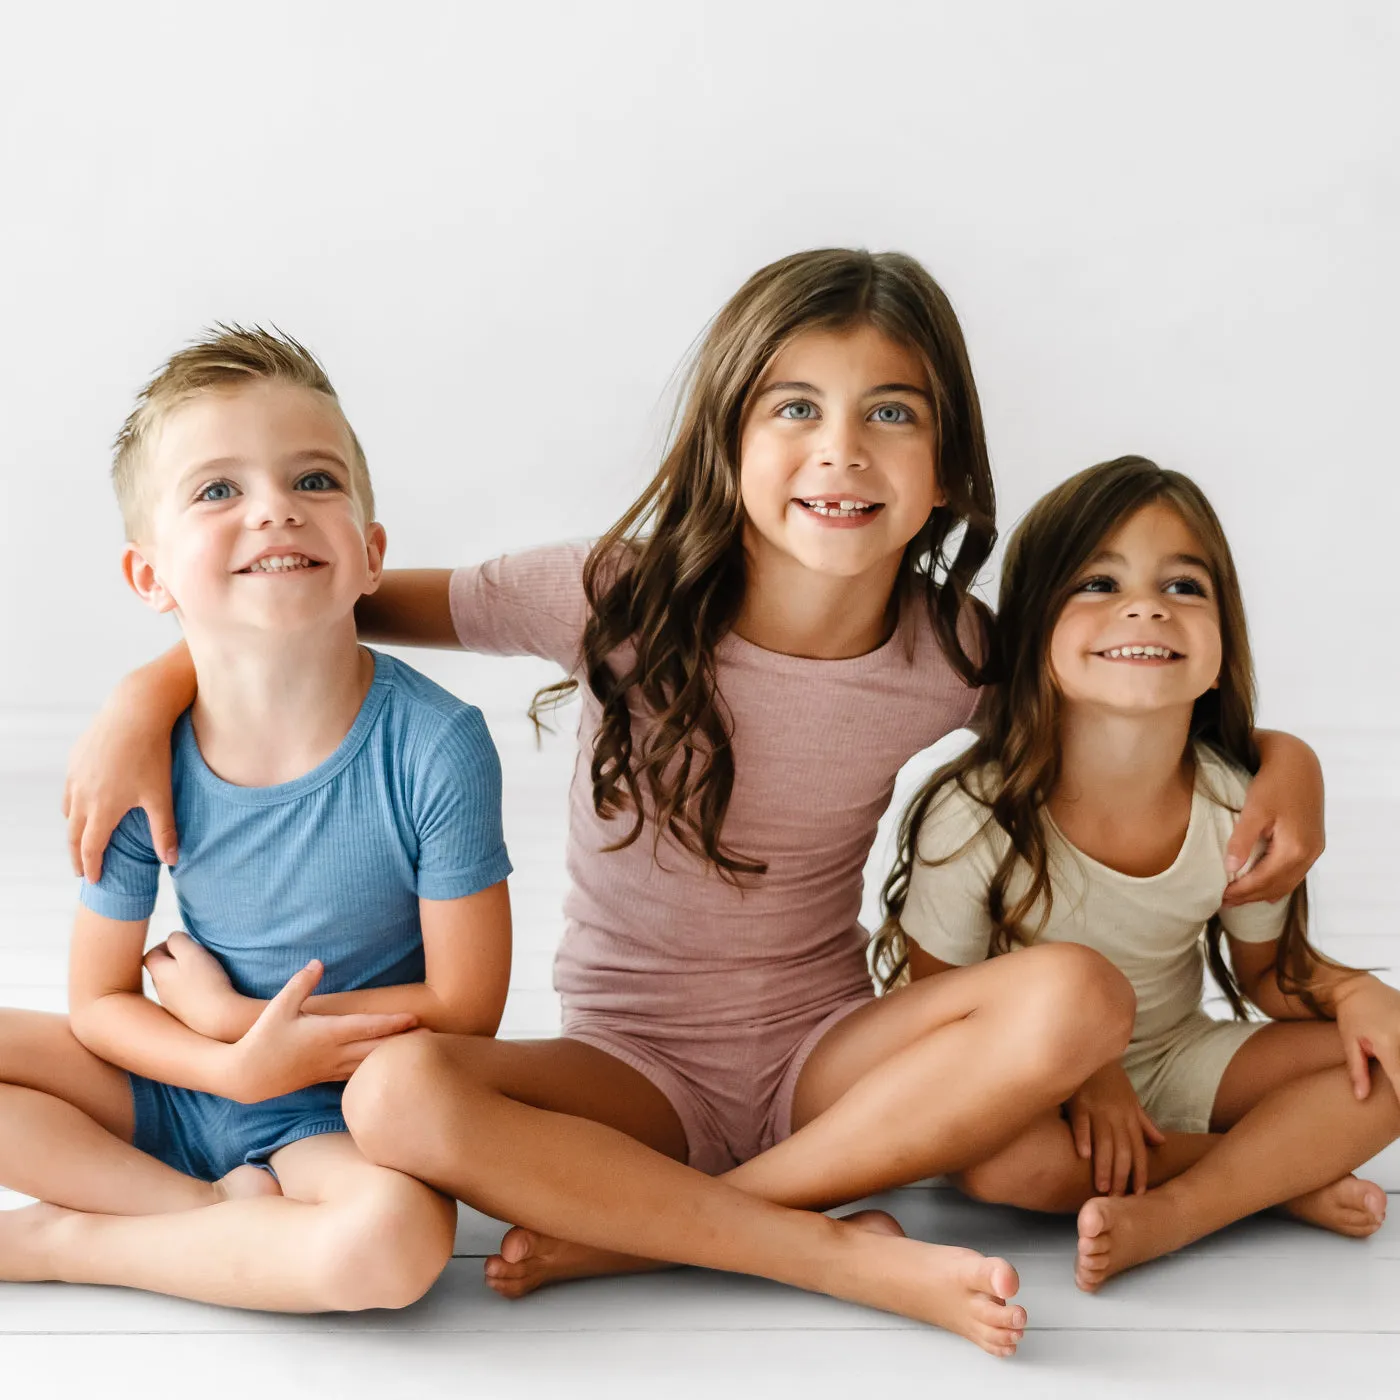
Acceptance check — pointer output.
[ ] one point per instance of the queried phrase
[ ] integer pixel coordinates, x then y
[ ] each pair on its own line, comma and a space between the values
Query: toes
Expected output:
999, 1278
517, 1245
1093, 1220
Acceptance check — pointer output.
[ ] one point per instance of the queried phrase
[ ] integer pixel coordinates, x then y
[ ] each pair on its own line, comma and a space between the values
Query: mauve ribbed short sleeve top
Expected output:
655, 933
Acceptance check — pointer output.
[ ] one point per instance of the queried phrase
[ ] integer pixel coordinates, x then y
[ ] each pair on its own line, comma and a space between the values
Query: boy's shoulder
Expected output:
423, 721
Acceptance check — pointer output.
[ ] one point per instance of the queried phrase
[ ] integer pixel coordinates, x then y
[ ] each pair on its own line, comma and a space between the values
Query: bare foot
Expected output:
953, 1288
1346, 1207
1120, 1232
22, 1236
529, 1260
244, 1182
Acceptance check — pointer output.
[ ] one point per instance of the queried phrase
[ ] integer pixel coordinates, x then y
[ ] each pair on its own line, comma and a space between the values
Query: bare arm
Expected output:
1258, 978
112, 1017
922, 964
466, 947
411, 607
1284, 805
123, 761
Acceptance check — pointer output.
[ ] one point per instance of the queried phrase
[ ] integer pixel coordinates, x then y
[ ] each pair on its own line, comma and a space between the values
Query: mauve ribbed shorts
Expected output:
731, 1086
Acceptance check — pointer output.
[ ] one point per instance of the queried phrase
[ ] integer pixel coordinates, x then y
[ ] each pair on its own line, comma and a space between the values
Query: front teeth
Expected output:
839, 509
279, 563
1155, 653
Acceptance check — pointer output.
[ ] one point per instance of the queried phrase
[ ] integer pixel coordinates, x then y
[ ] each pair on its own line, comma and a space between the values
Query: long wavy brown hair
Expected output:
665, 584
1018, 739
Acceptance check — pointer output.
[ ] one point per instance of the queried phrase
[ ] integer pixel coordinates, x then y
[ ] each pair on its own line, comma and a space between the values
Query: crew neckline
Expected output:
309, 781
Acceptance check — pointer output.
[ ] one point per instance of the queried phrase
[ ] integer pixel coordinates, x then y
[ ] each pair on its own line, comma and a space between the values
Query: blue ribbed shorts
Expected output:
206, 1136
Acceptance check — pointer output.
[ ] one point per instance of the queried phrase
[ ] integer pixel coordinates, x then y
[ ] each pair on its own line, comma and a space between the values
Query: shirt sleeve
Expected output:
1228, 785
528, 604
130, 873
461, 845
945, 911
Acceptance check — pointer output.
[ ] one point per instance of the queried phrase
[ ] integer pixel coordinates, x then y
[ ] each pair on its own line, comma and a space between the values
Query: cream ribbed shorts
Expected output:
1177, 1074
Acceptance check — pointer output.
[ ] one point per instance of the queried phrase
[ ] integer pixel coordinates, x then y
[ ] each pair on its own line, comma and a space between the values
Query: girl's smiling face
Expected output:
837, 454
1141, 630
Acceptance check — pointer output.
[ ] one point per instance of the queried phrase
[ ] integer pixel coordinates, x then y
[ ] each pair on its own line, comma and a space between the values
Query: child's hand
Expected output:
121, 761
194, 988
1283, 808
289, 1049
1110, 1125
1368, 1016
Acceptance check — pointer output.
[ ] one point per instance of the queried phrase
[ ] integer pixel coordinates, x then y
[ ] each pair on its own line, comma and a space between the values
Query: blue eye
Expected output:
216, 491
798, 411
318, 481
893, 413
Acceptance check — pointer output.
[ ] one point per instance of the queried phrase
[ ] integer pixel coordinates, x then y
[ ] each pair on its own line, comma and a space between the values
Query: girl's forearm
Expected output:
411, 607
1324, 985
164, 687
133, 1033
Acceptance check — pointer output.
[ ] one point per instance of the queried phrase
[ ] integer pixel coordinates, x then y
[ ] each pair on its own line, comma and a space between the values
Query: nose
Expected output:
273, 506
1146, 605
843, 444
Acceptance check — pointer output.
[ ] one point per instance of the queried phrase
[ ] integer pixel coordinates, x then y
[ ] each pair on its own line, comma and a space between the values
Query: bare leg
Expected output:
867, 1084
1041, 1171
344, 1235
66, 1122
1013, 1034
1300, 1137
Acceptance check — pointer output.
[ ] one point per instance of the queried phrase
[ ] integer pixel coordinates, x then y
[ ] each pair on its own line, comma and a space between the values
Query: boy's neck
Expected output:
1119, 763
789, 608
271, 712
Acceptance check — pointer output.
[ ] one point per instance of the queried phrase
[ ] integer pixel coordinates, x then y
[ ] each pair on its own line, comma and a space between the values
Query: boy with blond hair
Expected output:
341, 877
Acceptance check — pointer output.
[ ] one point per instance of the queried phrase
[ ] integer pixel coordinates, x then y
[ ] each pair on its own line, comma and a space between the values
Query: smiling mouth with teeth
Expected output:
1140, 654
839, 509
282, 564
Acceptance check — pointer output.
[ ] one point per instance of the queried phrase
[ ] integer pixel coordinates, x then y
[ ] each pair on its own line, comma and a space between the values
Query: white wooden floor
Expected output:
1267, 1305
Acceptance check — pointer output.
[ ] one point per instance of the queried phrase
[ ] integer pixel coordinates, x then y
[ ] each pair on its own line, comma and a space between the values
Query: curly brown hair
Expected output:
665, 584
1020, 713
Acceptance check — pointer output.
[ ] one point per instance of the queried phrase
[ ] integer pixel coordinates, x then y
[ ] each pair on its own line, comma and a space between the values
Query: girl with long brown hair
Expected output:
776, 626
1095, 808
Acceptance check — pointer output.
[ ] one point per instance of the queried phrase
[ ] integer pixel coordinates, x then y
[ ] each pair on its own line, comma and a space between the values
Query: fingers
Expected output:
1103, 1156
1139, 1153
76, 823
94, 830
1249, 830
299, 986
1123, 1153
1152, 1132
369, 1025
1359, 1068
1277, 875
161, 817
1083, 1137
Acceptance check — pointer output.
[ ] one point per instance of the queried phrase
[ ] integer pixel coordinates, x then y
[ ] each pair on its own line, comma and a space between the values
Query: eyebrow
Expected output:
801, 386
1109, 556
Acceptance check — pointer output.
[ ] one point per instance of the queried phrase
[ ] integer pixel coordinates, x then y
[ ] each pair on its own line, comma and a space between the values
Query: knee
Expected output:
1027, 1182
1080, 1007
387, 1250
387, 1099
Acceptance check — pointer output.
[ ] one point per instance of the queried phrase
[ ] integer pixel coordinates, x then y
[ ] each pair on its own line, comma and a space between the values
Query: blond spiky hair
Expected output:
226, 357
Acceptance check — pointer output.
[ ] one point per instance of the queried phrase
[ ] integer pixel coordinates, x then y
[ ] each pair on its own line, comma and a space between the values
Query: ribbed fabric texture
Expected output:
817, 745
331, 865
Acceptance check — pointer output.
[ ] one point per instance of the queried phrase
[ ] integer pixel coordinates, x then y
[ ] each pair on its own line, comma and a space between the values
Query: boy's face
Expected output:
251, 523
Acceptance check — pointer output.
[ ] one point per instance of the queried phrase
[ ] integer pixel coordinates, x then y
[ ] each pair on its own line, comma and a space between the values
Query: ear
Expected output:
141, 575
375, 541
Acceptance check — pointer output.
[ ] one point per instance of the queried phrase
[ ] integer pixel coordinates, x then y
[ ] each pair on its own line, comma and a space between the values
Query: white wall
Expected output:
1168, 228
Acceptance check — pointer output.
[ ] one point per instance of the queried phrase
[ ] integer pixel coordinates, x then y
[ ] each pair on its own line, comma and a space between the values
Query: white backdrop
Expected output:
1169, 229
